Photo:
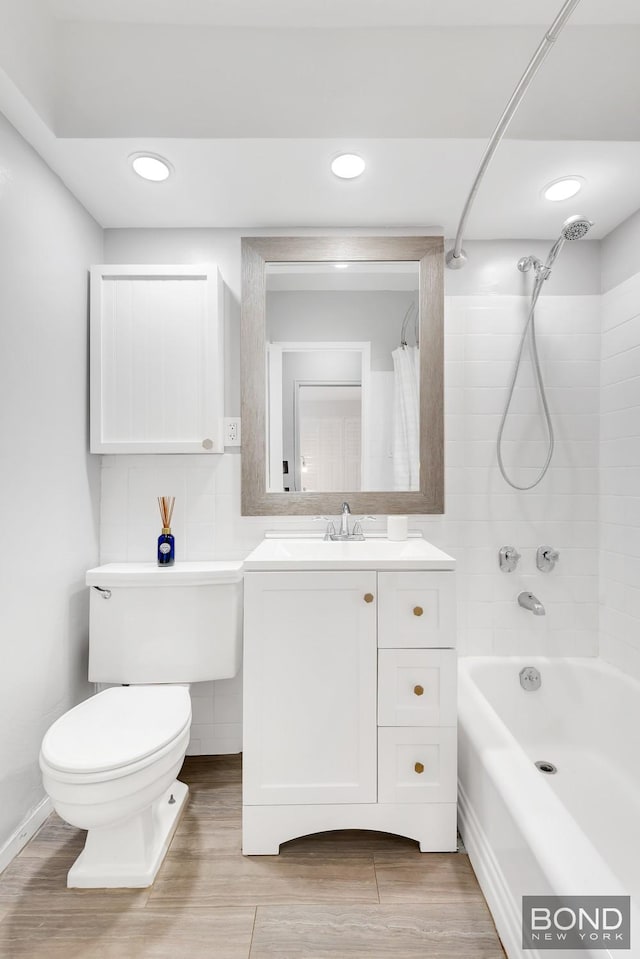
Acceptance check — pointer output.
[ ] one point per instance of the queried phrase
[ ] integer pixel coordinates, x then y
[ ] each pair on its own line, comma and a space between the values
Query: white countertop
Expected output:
375, 553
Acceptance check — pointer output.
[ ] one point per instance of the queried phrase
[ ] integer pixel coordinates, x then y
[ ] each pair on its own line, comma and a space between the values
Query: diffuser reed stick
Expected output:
166, 542
166, 504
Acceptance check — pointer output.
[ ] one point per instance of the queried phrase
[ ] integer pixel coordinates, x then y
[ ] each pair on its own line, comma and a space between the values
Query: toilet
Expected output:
110, 764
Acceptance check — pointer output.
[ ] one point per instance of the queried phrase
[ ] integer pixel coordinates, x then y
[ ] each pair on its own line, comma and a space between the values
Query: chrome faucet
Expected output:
345, 510
344, 533
531, 602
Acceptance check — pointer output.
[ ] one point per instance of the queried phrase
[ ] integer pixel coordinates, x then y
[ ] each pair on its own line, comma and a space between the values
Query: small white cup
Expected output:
397, 527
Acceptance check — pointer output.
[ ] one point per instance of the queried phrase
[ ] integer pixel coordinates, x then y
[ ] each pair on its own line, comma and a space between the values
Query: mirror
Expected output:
341, 352
349, 332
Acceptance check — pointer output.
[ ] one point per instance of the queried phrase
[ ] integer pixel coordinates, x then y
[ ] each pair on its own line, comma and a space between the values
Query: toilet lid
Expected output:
116, 727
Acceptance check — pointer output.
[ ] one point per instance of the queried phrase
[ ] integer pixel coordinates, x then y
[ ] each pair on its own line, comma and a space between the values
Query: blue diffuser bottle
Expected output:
166, 542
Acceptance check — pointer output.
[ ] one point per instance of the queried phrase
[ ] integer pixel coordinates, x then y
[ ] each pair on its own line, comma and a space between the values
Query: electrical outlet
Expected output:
232, 431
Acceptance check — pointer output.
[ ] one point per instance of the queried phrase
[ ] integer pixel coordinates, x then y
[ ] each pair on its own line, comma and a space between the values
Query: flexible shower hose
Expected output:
529, 325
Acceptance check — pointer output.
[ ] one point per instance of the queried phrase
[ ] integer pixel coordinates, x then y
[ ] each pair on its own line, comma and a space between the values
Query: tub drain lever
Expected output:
530, 678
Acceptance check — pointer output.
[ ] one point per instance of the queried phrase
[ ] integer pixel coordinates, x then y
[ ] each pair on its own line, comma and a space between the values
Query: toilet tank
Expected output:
154, 624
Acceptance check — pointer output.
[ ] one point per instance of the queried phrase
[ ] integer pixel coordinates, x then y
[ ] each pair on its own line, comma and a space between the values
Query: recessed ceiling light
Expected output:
347, 166
341, 266
150, 166
563, 189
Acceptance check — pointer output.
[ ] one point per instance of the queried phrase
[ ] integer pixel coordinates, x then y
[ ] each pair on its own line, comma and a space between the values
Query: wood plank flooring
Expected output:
346, 895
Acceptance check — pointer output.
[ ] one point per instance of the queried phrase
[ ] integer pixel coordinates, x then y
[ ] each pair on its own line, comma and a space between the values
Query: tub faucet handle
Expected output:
546, 558
508, 558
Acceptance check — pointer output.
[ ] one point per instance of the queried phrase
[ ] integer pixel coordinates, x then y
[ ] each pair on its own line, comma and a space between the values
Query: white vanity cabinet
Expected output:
156, 359
344, 727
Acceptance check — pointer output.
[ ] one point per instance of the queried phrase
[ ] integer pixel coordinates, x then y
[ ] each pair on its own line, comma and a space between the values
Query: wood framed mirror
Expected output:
342, 375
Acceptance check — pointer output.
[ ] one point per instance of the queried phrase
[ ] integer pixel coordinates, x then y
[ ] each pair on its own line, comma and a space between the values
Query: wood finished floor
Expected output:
346, 895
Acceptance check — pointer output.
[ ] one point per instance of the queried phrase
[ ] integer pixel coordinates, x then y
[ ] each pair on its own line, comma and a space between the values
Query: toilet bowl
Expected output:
110, 764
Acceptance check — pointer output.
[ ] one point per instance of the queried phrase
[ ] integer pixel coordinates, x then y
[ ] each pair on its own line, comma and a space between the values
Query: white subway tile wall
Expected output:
620, 477
482, 512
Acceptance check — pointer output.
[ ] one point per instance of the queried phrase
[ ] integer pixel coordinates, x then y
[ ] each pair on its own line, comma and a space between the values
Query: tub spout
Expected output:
531, 602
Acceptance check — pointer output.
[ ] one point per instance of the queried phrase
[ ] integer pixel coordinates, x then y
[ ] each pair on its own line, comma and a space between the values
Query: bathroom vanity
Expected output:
349, 691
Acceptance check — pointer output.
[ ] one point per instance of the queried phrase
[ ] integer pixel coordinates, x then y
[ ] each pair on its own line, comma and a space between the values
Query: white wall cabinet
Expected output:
157, 359
342, 728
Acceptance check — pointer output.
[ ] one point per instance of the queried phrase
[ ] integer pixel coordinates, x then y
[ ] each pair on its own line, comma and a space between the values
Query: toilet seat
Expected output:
116, 732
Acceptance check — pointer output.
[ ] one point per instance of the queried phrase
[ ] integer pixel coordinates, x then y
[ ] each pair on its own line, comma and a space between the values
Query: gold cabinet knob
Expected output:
418, 690
419, 767
418, 611
368, 597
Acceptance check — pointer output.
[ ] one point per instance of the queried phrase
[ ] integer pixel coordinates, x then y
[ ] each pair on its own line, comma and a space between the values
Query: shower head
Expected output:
575, 227
572, 229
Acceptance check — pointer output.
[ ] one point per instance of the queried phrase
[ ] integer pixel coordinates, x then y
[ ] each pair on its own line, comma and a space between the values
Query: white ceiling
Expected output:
250, 100
343, 13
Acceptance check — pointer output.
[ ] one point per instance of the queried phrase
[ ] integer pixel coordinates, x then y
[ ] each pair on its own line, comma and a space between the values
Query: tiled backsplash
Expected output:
482, 512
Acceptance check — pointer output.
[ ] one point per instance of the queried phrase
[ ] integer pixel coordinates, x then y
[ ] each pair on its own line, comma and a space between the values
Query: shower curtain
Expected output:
406, 420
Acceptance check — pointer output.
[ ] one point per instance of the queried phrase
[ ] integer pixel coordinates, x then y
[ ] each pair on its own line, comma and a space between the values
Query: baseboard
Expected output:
25, 831
505, 910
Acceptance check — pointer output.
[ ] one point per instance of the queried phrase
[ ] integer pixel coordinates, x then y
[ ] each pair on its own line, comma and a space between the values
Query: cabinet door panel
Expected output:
157, 359
417, 687
416, 609
309, 688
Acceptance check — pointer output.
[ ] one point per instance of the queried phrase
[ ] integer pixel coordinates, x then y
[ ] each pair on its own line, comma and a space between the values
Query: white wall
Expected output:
619, 259
620, 449
49, 485
482, 513
345, 315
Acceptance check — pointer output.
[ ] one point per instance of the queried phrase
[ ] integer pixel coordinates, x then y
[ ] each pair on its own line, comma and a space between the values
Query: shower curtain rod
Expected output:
456, 257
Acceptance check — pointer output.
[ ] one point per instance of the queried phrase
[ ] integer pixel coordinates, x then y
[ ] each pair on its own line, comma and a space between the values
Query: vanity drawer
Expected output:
417, 687
416, 610
417, 764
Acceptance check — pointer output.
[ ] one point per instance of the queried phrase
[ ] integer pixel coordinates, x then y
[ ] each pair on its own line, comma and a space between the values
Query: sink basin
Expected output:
374, 553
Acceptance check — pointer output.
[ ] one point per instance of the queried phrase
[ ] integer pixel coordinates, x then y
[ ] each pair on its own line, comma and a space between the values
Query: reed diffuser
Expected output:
166, 542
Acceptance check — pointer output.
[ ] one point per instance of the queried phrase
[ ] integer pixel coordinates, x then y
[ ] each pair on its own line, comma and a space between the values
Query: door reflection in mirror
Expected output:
317, 409
328, 436
332, 331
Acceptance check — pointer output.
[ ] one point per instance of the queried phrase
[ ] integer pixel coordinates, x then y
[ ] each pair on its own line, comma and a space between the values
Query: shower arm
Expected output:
456, 257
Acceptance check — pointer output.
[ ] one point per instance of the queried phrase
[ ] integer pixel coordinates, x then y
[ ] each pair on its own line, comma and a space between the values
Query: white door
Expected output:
309, 687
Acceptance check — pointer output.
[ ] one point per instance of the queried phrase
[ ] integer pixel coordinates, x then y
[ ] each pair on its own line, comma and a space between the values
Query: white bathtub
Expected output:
529, 833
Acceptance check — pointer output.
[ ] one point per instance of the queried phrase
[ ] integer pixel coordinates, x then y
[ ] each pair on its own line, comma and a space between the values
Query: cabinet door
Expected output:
309, 687
157, 359
416, 609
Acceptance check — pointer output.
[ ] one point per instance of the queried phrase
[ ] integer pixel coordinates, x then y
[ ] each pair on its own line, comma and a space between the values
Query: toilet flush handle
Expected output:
105, 593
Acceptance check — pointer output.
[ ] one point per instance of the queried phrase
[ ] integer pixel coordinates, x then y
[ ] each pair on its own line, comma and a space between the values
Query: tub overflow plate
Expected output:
530, 678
